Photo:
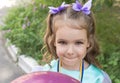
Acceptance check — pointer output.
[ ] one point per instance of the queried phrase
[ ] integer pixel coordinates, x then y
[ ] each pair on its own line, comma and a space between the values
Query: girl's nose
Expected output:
70, 50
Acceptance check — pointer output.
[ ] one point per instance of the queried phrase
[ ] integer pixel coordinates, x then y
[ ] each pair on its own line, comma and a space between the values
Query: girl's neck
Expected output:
76, 67
86, 64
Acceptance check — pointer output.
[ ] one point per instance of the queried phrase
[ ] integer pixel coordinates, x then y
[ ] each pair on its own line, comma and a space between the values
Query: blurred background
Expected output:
24, 25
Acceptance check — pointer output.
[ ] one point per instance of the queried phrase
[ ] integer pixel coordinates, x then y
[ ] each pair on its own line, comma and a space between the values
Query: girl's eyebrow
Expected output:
83, 40
60, 39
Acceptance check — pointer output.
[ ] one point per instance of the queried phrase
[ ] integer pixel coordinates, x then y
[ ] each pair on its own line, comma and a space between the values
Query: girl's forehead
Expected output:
69, 23
71, 34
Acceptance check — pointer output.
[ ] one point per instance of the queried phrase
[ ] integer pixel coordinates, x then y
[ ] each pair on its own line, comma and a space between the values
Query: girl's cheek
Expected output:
60, 52
81, 49
82, 52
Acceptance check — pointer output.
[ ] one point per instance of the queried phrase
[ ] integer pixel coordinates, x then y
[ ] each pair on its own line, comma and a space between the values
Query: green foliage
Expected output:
55, 2
25, 28
108, 33
99, 4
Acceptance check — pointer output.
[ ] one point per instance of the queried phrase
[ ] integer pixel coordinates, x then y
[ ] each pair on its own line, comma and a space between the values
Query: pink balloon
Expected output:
45, 77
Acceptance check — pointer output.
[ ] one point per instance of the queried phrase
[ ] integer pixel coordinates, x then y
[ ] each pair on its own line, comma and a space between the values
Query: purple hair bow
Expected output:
85, 8
54, 10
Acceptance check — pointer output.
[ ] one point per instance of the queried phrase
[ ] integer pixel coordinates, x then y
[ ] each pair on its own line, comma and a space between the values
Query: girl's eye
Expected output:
78, 43
62, 42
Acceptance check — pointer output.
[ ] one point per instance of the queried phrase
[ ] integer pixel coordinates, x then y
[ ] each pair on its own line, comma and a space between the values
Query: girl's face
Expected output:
71, 46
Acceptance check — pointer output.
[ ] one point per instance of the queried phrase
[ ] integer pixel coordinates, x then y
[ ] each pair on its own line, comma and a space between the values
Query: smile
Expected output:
70, 59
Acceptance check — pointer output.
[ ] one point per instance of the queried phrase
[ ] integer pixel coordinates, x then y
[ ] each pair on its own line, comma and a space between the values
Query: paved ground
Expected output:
8, 69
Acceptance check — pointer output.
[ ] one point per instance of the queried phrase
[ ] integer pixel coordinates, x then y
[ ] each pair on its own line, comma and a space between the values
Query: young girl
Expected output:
71, 43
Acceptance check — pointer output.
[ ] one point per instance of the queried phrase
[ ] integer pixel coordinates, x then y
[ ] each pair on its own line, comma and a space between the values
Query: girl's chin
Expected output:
70, 62
71, 59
